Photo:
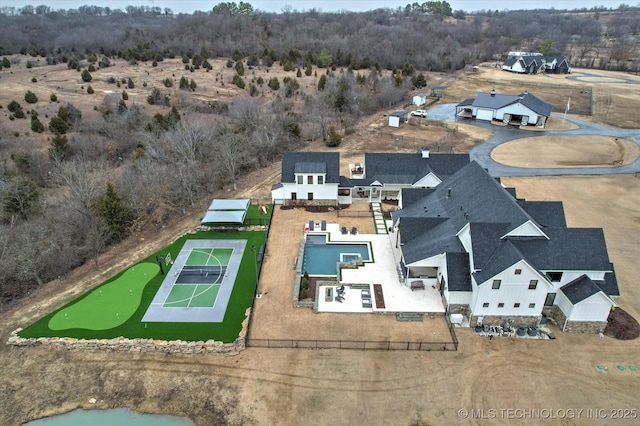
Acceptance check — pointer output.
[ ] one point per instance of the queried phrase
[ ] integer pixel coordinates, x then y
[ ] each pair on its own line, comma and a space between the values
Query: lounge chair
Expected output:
323, 225
311, 225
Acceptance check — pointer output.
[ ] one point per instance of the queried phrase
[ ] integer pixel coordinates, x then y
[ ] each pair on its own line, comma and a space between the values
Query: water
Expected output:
320, 257
117, 416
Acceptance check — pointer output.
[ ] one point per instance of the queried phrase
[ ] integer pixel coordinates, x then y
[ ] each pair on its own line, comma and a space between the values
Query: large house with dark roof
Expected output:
535, 63
314, 178
521, 110
496, 258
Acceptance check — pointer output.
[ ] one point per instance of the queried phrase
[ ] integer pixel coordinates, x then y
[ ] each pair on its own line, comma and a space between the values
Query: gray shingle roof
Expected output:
497, 101
579, 289
458, 272
430, 220
311, 162
398, 168
345, 183
610, 284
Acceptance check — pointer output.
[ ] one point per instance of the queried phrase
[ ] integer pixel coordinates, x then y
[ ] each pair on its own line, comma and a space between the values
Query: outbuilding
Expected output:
420, 99
520, 110
397, 117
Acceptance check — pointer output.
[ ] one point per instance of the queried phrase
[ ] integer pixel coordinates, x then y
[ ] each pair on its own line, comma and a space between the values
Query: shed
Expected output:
420, 99
397, 117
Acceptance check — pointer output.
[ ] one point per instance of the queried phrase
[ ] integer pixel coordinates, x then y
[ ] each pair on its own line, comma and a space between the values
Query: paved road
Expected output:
482, 152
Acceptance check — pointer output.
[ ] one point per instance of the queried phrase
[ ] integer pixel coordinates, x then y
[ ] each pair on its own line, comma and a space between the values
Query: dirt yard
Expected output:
504, 376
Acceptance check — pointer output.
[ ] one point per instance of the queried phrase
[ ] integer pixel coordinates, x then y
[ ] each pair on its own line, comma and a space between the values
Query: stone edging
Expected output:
122, 344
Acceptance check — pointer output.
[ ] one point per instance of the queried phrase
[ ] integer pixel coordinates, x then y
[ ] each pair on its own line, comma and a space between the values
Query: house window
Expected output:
485, 305
310, 196
533, 284
554, 276
320, 180
496, 284
518, 271
500, 305
551, 297
344, 192
532, 305
294, 196
299, 180
516, 305
310, 180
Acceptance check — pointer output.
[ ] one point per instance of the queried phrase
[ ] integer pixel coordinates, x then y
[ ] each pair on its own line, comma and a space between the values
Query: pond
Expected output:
116, 416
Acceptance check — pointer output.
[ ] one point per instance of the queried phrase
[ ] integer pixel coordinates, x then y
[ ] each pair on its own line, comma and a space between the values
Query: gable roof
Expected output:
497, 101
311, 162
401, 168
579, 289
431, 220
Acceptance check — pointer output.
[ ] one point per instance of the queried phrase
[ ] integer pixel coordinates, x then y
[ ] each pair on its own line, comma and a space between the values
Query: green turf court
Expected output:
192, 296
209, 256
117, 306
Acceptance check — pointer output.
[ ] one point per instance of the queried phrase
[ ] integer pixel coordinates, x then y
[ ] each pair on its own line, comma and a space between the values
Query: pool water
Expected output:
320, 257
116, 416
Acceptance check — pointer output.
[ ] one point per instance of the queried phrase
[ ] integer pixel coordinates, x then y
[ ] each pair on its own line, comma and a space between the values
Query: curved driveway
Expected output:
482, 152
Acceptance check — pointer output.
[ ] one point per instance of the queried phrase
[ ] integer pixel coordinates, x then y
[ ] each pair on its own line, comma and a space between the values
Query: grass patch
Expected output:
90, 325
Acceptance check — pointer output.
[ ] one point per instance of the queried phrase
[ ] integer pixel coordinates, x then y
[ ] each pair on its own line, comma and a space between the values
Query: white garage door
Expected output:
484, 114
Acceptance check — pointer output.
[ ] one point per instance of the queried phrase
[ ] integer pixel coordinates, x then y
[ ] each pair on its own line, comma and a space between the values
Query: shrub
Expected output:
167, 82
240, 68
130, 84
19, 113
90, 90
238, 81
13, 106
92, 68
334, 138
274, 83
111, 80
125, 95
86, 76
30, 97
34, 80
253, 90
53, 97
36, 125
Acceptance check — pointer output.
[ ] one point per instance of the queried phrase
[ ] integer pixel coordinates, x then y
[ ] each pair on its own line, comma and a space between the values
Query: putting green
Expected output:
110, 305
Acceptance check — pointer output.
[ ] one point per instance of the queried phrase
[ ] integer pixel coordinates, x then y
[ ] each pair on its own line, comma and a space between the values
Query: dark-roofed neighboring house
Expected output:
308, 178
501, 259
520, 110
535, 63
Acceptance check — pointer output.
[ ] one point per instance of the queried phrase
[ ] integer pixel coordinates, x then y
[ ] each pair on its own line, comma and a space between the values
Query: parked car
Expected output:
419, 113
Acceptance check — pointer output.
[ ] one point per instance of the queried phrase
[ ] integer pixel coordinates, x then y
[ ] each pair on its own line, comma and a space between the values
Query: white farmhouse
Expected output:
501, 259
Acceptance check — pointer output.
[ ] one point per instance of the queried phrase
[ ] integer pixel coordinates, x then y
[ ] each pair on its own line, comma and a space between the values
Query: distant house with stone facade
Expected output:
498, 258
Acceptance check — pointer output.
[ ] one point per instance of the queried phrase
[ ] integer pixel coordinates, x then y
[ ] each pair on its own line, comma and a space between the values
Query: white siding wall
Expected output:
517, 109
327, 191
465, 239
527, 229
513, 289
564, 304
568, 276
594, 308
429, 181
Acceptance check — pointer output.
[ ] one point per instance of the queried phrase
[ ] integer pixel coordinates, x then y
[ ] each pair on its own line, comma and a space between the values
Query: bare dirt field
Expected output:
506, 377
566, 151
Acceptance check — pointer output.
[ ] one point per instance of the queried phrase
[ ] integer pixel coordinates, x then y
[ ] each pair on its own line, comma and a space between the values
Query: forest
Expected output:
79, 181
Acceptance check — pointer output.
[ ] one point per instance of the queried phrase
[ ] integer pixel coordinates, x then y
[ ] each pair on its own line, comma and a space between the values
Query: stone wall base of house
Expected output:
318, 202
514, 321
459, 309
555, 314
585, 327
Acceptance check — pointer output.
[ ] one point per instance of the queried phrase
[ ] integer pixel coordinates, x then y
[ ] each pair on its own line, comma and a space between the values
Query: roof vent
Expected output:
425, 152
449, 192
493, 92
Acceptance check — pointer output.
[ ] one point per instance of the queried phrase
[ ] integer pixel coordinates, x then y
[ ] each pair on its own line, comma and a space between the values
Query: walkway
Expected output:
378, 219
482, 152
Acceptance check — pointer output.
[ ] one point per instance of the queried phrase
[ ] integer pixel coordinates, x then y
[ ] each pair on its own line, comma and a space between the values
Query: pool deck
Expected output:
398, 296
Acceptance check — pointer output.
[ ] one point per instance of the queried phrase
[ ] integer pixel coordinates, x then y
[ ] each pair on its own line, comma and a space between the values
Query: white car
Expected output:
419, 113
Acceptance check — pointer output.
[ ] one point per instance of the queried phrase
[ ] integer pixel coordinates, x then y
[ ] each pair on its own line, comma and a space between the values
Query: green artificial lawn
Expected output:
110, 305
89, 318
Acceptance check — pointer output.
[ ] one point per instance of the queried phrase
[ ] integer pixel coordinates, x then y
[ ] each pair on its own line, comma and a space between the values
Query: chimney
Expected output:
425, 152
493, 92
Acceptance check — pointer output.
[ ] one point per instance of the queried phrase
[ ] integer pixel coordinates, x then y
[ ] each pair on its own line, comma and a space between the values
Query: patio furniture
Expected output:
323, 225
366, 294
354, 230
311, 225
344, 230
417, 285
366, 303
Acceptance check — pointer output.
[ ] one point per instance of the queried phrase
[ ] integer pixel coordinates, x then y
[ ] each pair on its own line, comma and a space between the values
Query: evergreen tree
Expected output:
86, 76
116, 216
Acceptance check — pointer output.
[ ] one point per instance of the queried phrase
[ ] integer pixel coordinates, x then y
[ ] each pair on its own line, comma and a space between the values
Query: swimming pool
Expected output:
320, 257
